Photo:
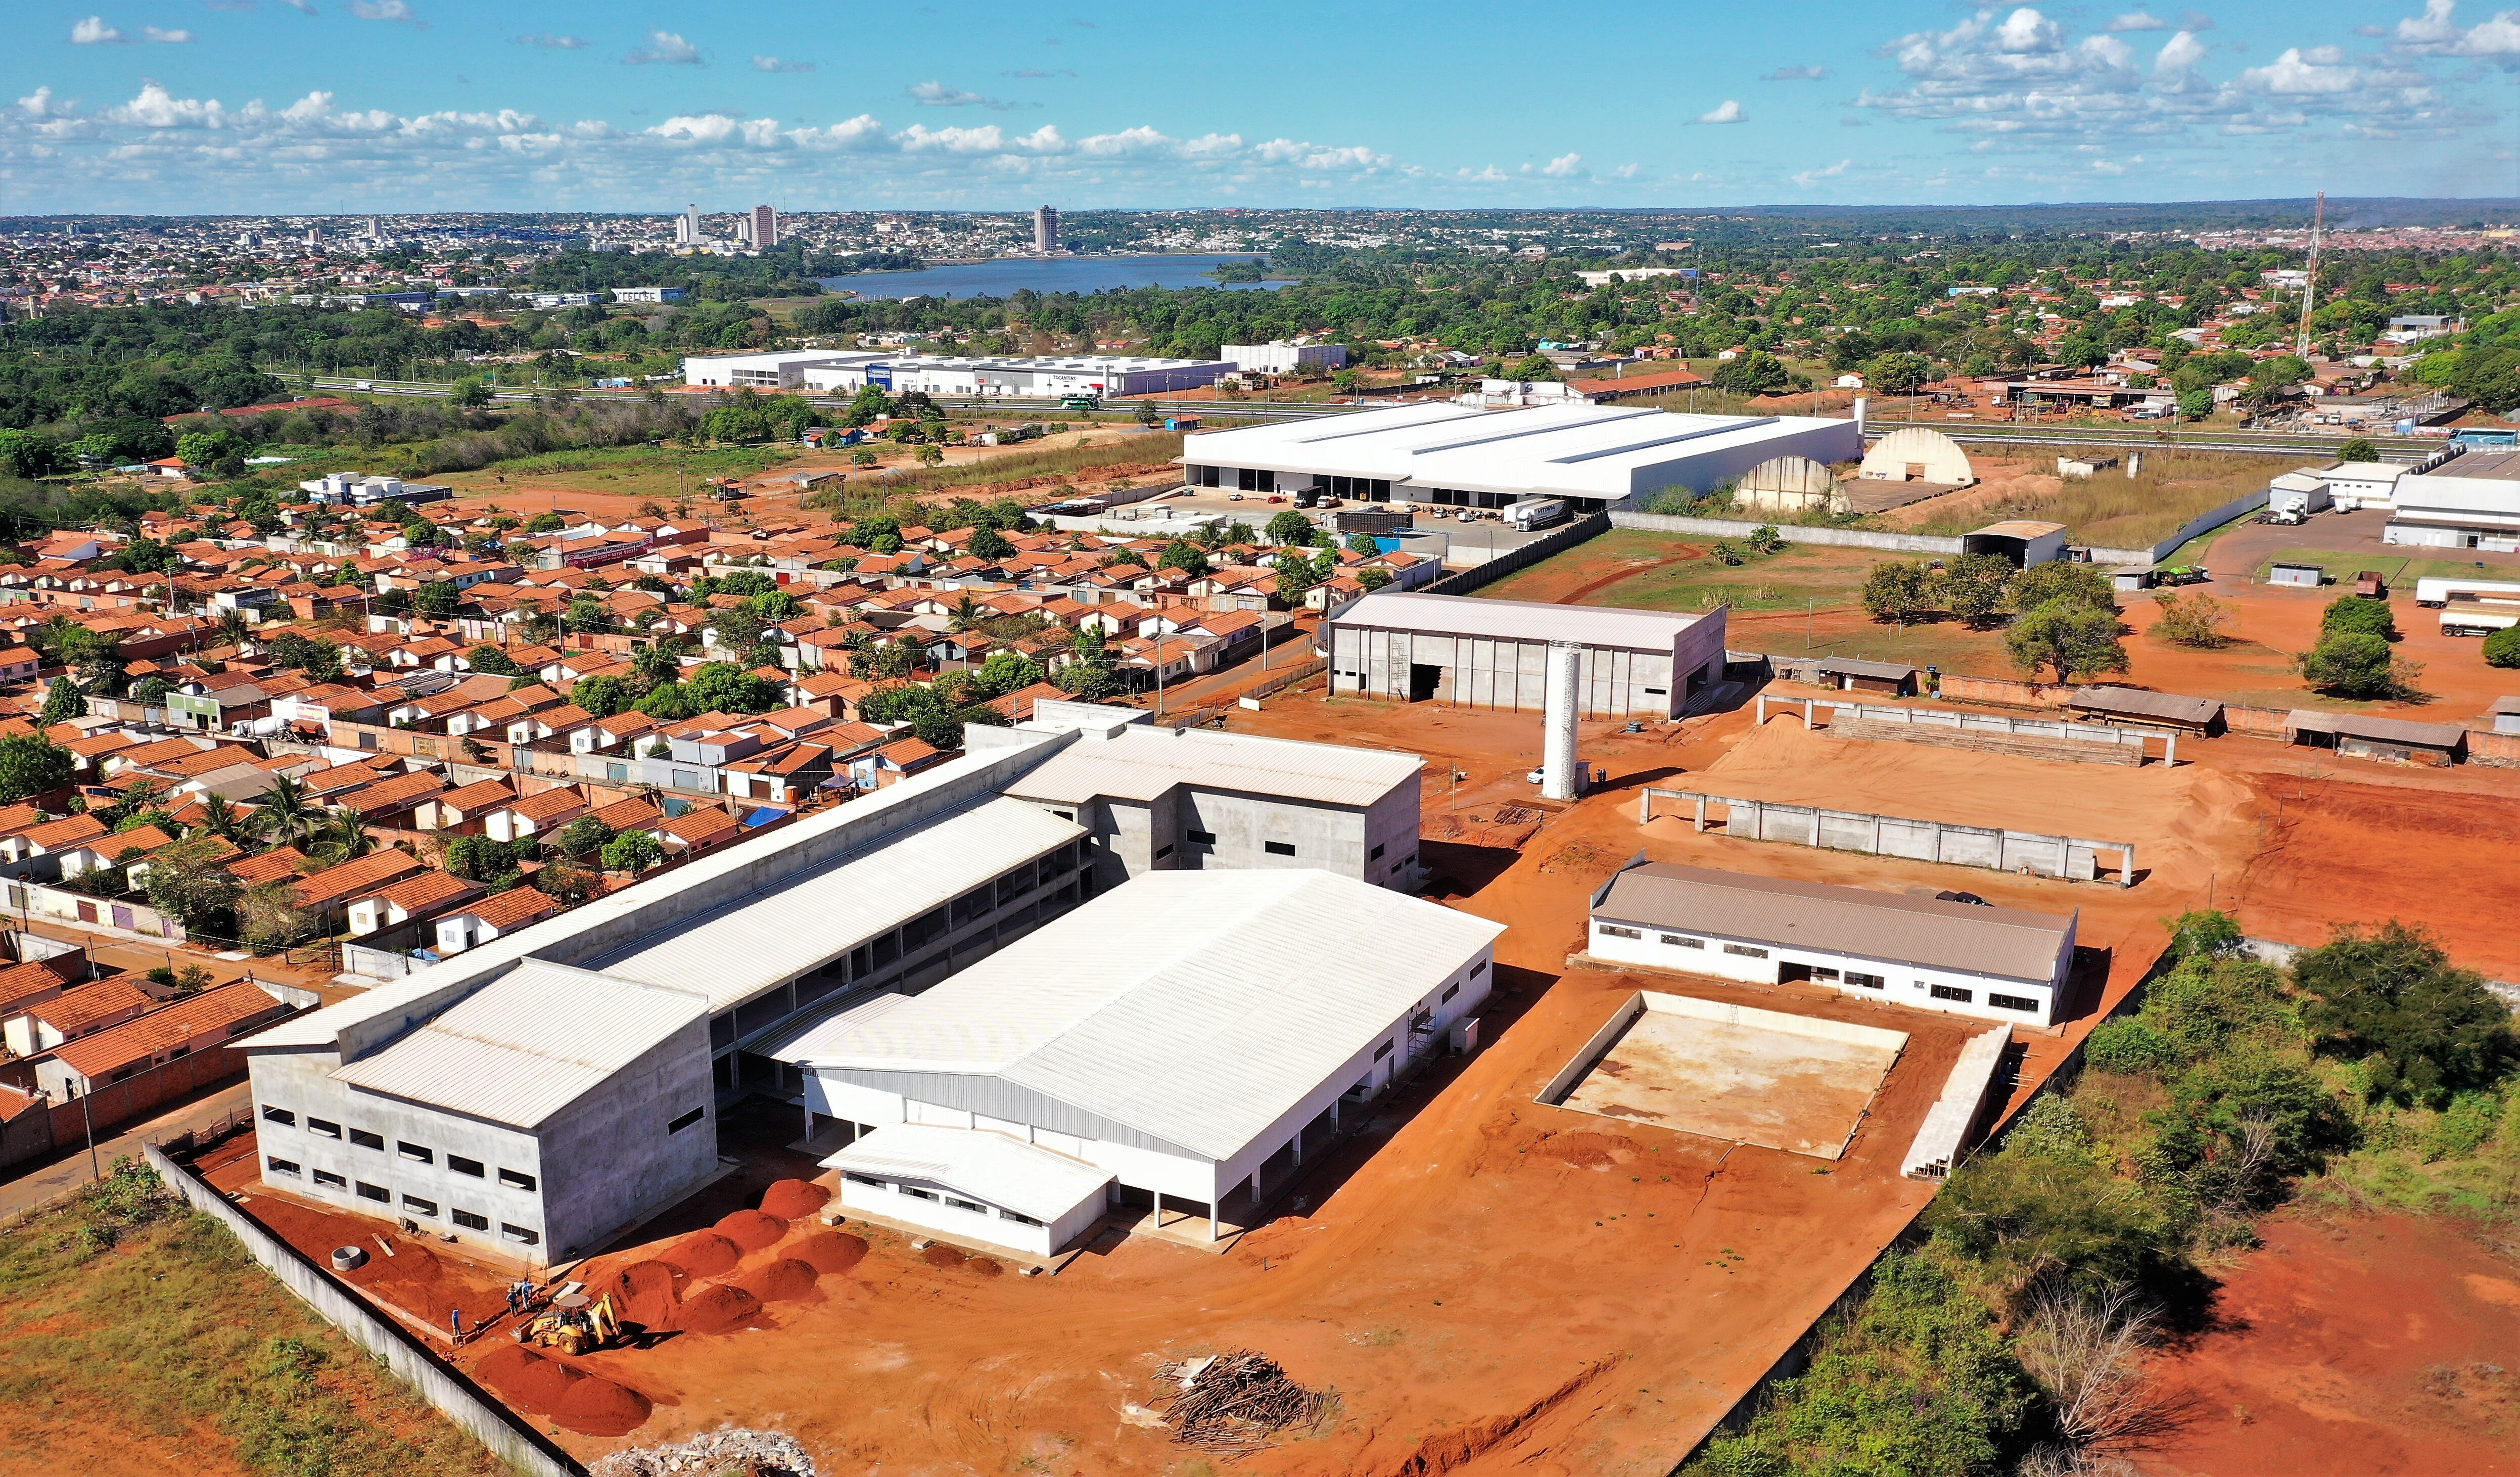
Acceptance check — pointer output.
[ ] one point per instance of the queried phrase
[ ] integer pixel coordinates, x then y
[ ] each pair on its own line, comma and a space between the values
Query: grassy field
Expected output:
141, 1337
2397, 568
1661, 571
633, 472
1062, 462
2116, 510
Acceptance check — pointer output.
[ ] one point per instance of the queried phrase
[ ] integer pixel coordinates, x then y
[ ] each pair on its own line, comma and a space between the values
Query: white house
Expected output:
1966, 958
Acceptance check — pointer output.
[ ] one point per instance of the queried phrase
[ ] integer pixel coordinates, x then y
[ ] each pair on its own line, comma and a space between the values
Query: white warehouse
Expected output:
1595, 456
1492, 653
1997, 963
1179, 1043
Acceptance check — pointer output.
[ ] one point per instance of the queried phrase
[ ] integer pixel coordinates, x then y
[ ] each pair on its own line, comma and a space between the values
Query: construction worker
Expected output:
455, 1320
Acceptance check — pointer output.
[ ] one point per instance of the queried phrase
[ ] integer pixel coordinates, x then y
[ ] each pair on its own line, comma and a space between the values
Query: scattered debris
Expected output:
1235, 1402
736, 1449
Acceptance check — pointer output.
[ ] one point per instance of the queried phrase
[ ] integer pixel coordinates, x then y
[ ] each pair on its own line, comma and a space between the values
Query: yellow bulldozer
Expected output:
581, 1328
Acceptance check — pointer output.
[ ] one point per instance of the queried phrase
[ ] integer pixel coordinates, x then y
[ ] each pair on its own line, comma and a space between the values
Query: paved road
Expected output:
62, 1171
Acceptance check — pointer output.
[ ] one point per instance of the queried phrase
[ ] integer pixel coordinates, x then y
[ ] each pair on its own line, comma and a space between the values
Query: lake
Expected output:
1050, 274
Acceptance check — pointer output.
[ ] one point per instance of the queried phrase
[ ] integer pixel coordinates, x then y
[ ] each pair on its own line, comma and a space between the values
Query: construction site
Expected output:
1662, 1177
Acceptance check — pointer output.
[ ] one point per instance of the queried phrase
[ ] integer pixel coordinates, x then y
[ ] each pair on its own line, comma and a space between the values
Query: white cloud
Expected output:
664, 48
2139, 21
2179, 54
2436, 33
1811, 177
2107, 166
1725, 112
934, 94
553, 43
1491, 175
93, 31
1796, 74
1035, 72
1562, 165
169, 37
382, 9
774, 64
2316, 69
305, 6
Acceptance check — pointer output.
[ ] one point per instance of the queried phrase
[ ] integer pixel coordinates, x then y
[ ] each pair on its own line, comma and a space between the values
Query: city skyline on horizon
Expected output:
307, 107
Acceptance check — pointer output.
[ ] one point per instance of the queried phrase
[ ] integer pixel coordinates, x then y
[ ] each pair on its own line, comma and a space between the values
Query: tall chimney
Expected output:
1561, 777
1859, 415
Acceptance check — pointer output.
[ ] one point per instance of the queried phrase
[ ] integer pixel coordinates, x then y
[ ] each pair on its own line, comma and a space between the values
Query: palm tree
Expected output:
219, 818
967, 615
343, 838
285, 814
234, 629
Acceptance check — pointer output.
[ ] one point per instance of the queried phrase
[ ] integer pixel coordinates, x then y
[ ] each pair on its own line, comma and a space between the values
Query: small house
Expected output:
2298, 577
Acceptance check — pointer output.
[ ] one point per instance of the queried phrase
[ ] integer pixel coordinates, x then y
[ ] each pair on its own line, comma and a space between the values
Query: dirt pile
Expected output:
717, 1309
783, 1280
524, 1379
704, 1254
644, 1293
753, 1229
942, 1255
794, 1199
596, 1407
832, 1252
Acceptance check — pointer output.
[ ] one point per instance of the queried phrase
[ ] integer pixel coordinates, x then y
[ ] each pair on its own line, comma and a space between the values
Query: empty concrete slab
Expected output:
1730, 1072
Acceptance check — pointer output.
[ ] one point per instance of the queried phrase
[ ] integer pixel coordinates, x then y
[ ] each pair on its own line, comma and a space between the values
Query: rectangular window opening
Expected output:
365, 1140
472, 1219
281, 1166
1864, 981
1201, 837
1952, 993
2012, 1002
415, 1153
1279, 848
1449, 992
1684, 941
417, 1206
1745, 951
464, 1166
328, 1178
1613, 931
519, 1234
515, 1180
685, 1119
282, 1116
369, 1191
324, 1126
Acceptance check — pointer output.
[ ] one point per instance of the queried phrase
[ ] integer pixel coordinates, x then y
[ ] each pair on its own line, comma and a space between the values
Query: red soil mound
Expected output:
780, 1281
643, 1292
830, 1252
942, 1255
751, 1230
982, 1267
704, 1254
718, 1307
526, 1378
596, 1407
794, 1199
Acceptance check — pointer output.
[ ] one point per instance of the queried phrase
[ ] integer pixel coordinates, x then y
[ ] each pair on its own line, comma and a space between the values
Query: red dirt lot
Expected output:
2365, 1345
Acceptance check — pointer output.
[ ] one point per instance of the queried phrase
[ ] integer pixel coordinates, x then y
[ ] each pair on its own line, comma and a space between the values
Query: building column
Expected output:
2125, 874
1702, 815
1159, 1210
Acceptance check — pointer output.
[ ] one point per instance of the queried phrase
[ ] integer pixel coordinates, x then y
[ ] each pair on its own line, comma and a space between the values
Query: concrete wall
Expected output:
1844, 538
613, 1157
983, 1226
1498, 566
505, 1434
1904, 982
1476, 671
1945, 1133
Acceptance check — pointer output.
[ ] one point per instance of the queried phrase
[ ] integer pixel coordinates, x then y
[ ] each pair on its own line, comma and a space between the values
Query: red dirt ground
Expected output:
2354, 1345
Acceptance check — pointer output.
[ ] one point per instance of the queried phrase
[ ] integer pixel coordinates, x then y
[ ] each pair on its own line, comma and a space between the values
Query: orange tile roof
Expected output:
270, 866
84, 1008
212, 1012
513, 908
543, 808
427, 891
64, 833
351, 879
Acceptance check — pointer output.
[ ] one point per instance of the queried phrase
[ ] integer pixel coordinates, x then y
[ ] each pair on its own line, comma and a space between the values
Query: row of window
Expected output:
938, 1197
359, 1137
412, 1205
1955, 993
1273, 848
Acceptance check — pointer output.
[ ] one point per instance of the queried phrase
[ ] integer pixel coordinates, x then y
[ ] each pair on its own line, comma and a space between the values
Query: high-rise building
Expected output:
1045, 229
373, 233
765, 228
687, 227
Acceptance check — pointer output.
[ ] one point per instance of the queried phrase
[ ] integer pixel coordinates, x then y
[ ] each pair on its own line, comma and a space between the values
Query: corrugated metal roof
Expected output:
528, 1043
1858, 920
2139, 704
1515, 620
986, 1166
2381, 730
1194, 1006
1141, 763
1856, 666
762, 938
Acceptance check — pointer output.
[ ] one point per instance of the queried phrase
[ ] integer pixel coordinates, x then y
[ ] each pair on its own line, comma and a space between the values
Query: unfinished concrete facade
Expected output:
1493, 654
1995, 848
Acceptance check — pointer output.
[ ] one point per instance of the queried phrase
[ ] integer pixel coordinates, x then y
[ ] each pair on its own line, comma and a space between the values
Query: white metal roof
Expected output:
1141, 763
1514, 620
1855, 920
1194, 1006
526, 1044
745, 946
986, 1166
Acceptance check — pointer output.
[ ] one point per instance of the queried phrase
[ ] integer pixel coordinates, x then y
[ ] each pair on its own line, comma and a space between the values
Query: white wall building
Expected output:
2468, 502
1190, 799
1179, 1043
784, 369
1594, 456
1279, 357
1493, 654
1997, 963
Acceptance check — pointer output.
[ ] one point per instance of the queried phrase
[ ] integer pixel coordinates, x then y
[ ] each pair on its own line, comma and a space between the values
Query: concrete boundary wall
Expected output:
1792, 534
1944, 1134
1497, 567
2110, 736
1722, 1012
1584, 1060
2069, 858
481, 1417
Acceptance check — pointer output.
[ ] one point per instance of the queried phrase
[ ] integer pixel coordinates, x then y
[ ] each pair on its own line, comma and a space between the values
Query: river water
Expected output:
1044, 274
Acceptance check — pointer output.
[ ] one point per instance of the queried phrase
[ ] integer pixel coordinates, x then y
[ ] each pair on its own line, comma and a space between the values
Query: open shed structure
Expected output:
2024, 540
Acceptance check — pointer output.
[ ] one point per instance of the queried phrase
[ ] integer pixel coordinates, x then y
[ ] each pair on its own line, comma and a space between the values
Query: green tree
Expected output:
1533, 368
2503, 647
62, 701
1897, 589
1185, 556
1756, 373
633, 852
2352, 614
436, 599
2389, 997
2078, 584
602, 696
469, 394
1004, 672
32, 765
990, 544
546, 522
1363, 543
2350, 665
1291, 527
1090, 676
579, 837
285, 813
721, 687
2073, 639
1972, 586
189, 882
2195, 620
2359, 449
493, 661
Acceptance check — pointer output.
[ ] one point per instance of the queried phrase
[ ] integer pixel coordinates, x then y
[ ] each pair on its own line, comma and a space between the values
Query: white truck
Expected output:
1535, 513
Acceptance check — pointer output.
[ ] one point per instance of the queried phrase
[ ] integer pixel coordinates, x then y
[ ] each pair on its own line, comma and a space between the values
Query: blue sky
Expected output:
281, 105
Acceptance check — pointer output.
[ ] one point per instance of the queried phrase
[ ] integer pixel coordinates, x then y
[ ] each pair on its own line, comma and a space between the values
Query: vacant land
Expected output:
143, 1340
1736, 1082
2110, 510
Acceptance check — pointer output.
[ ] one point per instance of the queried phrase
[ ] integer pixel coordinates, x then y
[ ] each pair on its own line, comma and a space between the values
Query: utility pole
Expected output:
2309, 280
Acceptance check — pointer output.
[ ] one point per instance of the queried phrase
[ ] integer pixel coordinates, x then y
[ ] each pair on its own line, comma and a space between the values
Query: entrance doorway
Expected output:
1424, 678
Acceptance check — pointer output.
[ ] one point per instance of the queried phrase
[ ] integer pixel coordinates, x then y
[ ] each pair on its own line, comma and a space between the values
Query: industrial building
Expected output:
1283, 358
1179, 1043
782, 369
650, 295
1594, 456
1155, 800
1493, 654
1965, 959
2465, 502
846, 371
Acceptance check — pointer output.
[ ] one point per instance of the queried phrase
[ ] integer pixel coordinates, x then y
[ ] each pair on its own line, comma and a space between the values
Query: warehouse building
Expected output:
1049, 377
1154, 799
1492, 653
1180, 1044
2467, 502
1597, 457
779, 370
1997, 963
1283, 358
